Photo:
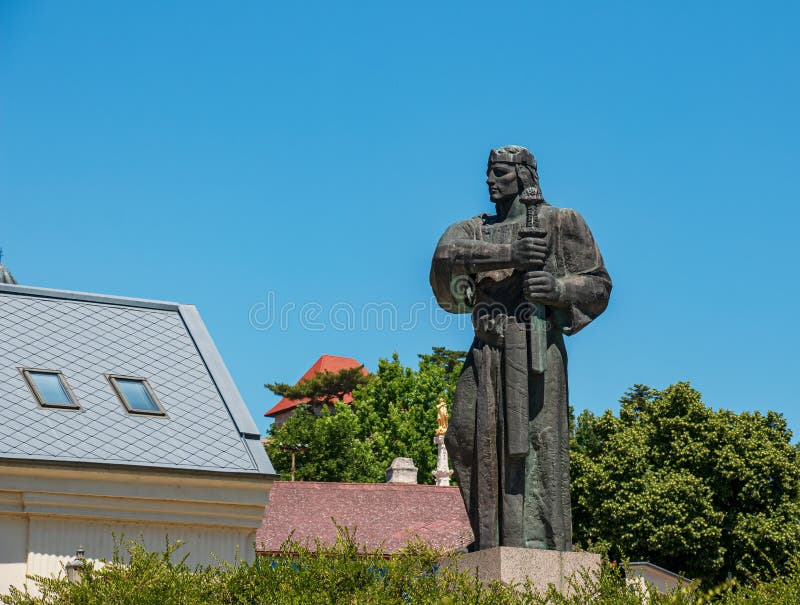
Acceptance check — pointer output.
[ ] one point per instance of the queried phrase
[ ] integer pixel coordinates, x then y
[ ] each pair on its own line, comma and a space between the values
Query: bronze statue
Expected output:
441, 417
528, 275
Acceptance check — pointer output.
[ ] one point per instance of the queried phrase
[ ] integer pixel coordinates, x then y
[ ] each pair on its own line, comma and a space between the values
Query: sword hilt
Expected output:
532, 198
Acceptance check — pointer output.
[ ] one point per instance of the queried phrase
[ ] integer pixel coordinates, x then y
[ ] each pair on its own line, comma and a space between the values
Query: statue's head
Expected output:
510, 170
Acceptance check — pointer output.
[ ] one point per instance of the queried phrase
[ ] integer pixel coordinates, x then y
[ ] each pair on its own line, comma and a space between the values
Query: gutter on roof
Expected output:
121, 466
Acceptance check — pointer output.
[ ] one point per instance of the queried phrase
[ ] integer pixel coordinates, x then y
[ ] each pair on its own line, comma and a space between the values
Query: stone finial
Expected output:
402, 470
5, 276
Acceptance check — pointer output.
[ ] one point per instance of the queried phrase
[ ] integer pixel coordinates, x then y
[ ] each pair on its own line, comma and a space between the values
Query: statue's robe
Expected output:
516, 495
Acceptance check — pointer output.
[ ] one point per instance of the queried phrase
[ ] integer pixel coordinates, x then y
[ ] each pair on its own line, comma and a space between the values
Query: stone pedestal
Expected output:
442, 473
515, 565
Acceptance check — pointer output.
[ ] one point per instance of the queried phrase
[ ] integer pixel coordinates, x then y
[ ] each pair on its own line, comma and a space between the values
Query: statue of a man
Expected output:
508, 435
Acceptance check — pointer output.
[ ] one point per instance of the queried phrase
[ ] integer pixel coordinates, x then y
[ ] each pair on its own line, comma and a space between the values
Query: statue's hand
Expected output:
529, 252
540, 287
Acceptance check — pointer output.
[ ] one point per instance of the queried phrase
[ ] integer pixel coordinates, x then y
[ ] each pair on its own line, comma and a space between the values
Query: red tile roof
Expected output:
382, 516
326, 363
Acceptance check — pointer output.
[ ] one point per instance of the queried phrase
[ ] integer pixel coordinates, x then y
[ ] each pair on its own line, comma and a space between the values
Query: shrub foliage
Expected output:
338, 574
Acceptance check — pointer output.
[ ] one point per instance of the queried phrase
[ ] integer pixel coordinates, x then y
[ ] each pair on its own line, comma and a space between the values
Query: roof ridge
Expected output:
360, 484
73, 295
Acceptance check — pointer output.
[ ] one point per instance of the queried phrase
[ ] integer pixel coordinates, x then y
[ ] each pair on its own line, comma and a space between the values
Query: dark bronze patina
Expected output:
528, 275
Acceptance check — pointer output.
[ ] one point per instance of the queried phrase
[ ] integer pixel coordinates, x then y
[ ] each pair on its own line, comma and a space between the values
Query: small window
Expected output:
136, 395
50, 388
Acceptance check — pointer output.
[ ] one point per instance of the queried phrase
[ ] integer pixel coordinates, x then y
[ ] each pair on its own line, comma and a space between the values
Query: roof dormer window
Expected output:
136, 395
50, 388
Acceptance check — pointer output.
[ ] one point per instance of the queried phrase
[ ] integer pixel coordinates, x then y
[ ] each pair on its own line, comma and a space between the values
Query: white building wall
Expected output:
46, 514
53, 542
13, 551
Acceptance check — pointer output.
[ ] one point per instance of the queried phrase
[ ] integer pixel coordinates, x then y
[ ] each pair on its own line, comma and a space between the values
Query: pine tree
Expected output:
323, 387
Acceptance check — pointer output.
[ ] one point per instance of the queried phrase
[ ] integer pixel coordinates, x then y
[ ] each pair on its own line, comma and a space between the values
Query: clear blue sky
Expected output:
228, 154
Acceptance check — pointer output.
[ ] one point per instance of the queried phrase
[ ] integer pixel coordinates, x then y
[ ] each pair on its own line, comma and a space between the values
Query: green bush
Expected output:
338, 574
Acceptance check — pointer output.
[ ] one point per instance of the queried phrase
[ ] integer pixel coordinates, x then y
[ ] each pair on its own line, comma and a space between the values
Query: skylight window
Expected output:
136, 395
50, 389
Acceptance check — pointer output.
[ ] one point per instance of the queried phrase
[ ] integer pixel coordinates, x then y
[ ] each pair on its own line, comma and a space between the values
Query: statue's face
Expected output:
502, 181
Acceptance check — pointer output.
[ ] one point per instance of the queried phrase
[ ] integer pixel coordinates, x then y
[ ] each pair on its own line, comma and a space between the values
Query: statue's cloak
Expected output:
516, 499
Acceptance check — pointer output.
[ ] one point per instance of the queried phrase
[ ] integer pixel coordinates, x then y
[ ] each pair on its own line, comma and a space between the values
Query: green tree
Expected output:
399, 407
333, 449
696, 490
447, 359
323, 387
392, 414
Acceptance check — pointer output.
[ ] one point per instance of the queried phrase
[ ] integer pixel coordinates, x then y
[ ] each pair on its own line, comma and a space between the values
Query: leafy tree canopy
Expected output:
393, 414
692, 489
334, 450
446, 359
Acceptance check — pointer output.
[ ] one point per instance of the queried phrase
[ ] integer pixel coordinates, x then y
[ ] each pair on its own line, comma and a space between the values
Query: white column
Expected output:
442, 473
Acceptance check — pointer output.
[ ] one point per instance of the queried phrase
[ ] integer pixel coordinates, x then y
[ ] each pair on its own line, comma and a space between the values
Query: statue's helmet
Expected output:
523, 161
512, 154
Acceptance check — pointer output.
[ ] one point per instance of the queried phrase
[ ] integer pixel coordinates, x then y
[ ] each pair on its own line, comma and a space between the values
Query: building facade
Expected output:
119, 417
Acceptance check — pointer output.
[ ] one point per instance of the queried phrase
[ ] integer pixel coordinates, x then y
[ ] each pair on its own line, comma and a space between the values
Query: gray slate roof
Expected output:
207, 427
